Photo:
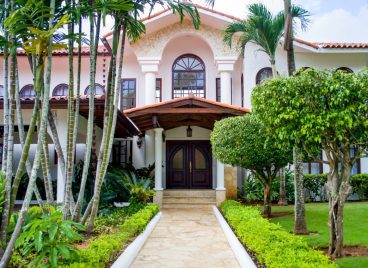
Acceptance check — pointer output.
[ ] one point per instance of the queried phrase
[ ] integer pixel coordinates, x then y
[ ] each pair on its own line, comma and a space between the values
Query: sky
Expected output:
331, 20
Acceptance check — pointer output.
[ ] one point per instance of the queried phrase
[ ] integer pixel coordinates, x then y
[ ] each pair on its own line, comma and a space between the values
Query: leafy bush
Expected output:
50, 238
104, 248
139, 189
273, 246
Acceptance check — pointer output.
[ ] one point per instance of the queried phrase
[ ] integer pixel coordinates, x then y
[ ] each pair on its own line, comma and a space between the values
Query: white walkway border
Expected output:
129, 254
245, 261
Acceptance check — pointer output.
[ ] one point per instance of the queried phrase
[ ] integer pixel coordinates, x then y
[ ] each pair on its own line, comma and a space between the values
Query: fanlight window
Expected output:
61, 90
345, 69
263, 75
189, 76
27, 91
99, 90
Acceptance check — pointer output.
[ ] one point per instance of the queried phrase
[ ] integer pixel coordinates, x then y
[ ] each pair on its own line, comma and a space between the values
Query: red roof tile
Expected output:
64, 52
332, 44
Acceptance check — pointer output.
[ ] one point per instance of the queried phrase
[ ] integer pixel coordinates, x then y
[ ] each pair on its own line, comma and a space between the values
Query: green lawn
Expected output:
355, 227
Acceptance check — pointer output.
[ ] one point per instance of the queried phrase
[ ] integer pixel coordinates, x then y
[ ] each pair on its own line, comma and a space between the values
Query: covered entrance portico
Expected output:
177, 134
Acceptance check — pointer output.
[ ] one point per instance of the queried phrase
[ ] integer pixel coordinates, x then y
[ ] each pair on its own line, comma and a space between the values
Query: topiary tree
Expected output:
321, 110
242, 141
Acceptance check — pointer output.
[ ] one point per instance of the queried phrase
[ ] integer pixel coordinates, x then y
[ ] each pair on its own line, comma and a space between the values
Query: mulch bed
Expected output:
280, 214
351, 251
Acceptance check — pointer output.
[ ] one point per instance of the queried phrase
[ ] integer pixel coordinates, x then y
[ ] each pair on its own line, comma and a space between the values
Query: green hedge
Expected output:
315, 184
105, 248
272, 245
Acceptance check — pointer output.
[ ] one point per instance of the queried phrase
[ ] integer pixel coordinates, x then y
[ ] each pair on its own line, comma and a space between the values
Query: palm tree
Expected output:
300, 223
263, 29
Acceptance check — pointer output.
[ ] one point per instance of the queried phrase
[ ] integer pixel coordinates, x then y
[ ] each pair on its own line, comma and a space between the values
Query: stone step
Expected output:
189, 193
186, 205
189, 200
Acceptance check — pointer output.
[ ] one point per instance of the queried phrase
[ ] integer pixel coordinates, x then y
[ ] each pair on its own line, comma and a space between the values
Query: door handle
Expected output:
190, 166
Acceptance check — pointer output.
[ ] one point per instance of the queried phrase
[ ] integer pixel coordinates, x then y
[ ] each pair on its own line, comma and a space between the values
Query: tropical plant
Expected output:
51, 238
263, 29
330, 113
139, 189
242, 141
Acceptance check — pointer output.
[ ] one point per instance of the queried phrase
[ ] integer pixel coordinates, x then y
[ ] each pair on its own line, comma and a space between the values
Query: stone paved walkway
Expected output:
186, 238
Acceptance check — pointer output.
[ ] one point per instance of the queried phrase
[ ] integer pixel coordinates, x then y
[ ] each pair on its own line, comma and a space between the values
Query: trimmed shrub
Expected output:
105, 248
272, 245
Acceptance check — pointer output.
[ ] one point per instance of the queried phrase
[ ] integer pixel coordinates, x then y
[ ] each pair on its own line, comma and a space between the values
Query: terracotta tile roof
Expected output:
318, 45
189, 97
64, 52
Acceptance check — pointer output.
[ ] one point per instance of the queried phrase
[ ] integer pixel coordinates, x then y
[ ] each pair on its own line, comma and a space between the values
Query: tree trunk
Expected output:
109, 130
87, 156
338, 189
267, 200
282, 192
6, 97
25, 142
10, 143
300, 224
273, 67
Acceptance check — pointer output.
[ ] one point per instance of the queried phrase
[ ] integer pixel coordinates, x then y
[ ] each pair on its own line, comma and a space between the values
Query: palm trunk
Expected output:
10, 144
300, 224
282, 192
70, 134
87, 156
25, 143
6, 97
108, 133
43, 128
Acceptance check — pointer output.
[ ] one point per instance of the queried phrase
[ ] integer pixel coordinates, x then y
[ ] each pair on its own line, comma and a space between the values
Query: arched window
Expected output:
61, 90
345, 69
1, 91
263, 74
99, 90
189, 76
27, 91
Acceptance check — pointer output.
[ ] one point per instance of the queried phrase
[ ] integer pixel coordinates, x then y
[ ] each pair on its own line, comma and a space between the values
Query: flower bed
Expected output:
105, 248
273, 247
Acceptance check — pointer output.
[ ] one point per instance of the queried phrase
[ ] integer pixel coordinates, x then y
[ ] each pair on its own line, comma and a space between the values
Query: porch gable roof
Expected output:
190, 110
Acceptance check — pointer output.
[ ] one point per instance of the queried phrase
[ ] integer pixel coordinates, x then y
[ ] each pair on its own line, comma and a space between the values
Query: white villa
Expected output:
177, 81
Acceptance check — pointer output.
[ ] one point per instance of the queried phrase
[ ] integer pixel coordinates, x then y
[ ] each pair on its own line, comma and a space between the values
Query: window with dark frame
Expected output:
120, 152
218, 89
27, 91
189, 76
158, 90
99, 89
1, 153
356, 169
128, 96
313, 167
263, 75
61, 90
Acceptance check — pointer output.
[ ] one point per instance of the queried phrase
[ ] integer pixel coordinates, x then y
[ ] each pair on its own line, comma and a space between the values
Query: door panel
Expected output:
189, 164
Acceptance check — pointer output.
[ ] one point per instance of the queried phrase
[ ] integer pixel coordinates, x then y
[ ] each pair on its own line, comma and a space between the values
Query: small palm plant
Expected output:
139, 188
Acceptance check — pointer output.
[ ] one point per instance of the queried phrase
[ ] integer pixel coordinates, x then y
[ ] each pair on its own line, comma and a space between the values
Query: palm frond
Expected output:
232, 29
301, 14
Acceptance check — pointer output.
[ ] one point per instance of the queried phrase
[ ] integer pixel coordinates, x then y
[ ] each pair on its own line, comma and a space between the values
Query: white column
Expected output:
149, 67
225, 66
220, 180
158, 159
225, 78
150, 147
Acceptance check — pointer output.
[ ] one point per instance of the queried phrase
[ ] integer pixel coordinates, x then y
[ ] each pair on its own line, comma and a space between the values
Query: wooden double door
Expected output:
188, 165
